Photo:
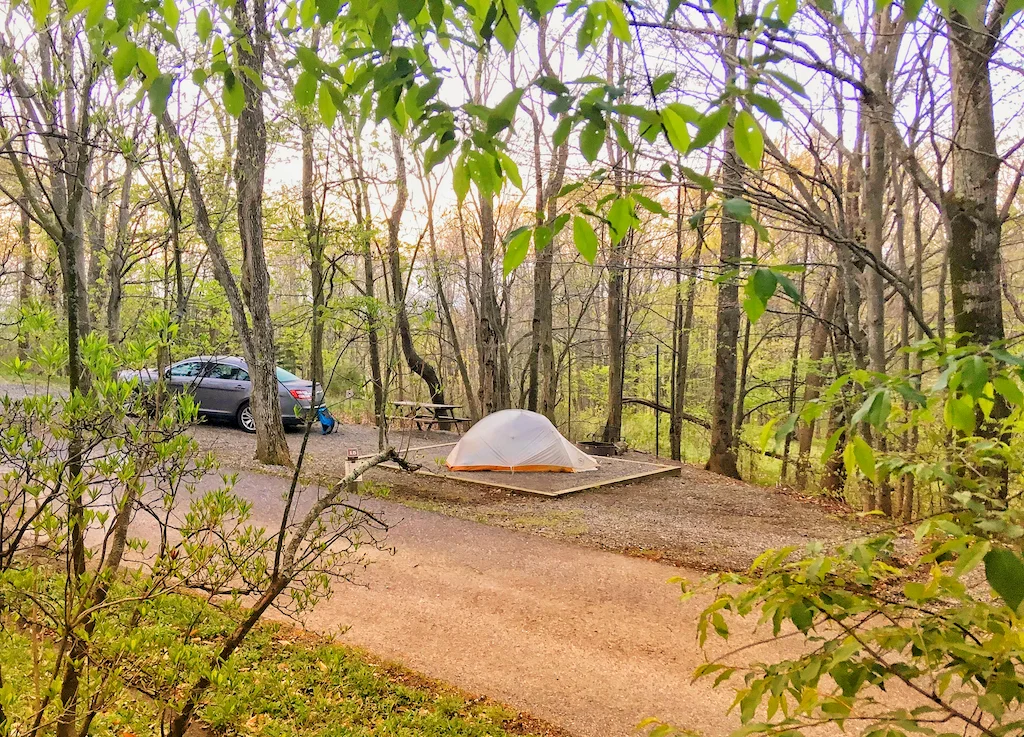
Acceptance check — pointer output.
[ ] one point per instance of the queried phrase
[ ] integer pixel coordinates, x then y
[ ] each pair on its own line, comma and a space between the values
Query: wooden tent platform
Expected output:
612, 471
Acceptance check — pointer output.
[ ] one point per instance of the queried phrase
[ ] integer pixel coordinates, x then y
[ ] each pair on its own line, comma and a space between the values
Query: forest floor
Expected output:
699, 520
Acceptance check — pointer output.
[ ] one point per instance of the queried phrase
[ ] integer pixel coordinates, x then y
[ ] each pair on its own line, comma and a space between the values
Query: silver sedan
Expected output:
222, 387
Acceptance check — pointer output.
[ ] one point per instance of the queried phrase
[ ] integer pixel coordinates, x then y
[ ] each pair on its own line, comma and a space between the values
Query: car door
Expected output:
181, 376
222, 388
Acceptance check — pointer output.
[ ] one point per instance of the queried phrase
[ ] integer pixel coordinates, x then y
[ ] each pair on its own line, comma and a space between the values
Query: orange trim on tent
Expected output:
515, 469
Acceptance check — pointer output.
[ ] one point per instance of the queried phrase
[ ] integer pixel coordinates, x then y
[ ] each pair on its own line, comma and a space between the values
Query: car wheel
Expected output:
245, 419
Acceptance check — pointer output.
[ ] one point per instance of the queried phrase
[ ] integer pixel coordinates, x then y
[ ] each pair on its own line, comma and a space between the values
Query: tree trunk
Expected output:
744, 358
495, 391
543, 375
794, 360
971, 205
361, 207
250, 167
115, 267
316, 254
722, 458
684, 321
417, 364
814, 379
25, 282
615, 313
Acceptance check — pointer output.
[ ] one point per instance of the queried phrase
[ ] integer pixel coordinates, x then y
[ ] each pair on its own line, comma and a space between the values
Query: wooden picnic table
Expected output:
428, 413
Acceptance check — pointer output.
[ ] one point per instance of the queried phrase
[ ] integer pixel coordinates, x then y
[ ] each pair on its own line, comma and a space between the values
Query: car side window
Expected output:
223, 371
185, 369
239, 374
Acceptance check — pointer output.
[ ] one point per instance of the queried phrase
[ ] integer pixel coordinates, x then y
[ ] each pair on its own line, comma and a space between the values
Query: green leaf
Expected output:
585, 238
801, 615
325, 104
502, 115
147, 62
702, 181
662, 82
171, 14
620, 28
40, 12
1009, 390
912, 9
865, 457
507, 28
124, 59
959, 414
650, 205
789, 83
710, 126
542, 236
307, 13
460, 179
382, 32
305, 89
233, 94
591, 139
754, 308
1005, 574
832, 443
159, 91
785, 10
748, 139
621, 218
762, 284
97, 12
511, 170
791, 289
675, 129
204, 25
1005, 356
725, 9
974, 375
767, 105
970, 559
737, 208
516, 250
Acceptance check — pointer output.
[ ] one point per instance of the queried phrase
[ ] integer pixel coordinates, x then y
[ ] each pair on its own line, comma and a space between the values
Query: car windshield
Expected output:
286, 376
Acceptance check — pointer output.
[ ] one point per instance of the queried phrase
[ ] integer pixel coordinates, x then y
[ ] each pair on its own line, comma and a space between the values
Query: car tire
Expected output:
244, 418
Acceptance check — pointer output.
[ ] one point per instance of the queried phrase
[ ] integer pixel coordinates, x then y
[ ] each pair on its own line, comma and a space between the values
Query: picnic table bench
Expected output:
427, 414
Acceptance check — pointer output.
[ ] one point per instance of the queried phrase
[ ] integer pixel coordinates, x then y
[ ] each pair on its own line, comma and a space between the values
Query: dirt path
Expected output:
589, 640
699, 520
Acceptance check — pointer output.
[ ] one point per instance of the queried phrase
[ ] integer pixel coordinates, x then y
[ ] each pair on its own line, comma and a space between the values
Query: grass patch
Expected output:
283, 681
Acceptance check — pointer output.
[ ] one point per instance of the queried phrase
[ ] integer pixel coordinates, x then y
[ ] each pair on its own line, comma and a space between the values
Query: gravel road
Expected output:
588, 640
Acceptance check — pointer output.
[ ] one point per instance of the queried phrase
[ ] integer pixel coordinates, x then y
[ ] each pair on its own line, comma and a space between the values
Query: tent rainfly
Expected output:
517, 440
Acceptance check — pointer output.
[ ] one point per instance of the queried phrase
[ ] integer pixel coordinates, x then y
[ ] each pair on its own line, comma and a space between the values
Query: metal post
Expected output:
657, 400
568, 392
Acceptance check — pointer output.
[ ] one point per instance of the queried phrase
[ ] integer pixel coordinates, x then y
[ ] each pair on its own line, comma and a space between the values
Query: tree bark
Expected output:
722, 458
495, 390
417, 364
971, 205
27, 275
250, 168
115, 267
615, 309
541, 395
684, 321
316, 254
814, 379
